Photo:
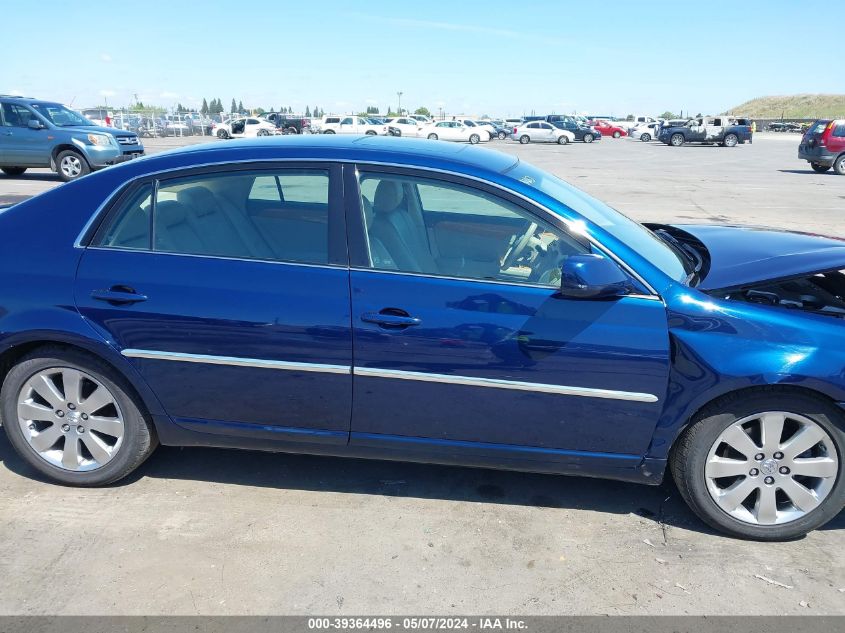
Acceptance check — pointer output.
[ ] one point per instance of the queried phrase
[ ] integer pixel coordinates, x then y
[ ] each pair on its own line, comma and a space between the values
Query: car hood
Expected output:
97, 129
741, 255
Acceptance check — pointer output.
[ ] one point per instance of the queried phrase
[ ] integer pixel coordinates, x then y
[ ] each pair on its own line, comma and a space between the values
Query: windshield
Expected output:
633, 234
61, 116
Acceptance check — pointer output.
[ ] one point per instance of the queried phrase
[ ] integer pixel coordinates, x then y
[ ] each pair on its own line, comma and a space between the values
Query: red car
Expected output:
823, 146
609, 129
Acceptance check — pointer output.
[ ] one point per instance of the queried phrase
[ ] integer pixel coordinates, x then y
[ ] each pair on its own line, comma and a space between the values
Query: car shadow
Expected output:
661, 505
34, 176
808, 171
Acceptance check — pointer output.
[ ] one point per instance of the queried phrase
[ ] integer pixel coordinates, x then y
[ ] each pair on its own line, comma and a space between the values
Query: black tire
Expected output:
731, 140
262, 132
432, 137
222, 134
139, 438
290, 130
524, 139
502, 136
645, 137
396, 133
617, 134
691, 450
588, 138
369, 133
563, 140
329, 132
70, 157
839, 165
474, 139
818, 168
14, 171
677, 139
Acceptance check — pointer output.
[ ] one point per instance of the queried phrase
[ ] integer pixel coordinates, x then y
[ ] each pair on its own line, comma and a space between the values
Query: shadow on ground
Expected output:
661, 504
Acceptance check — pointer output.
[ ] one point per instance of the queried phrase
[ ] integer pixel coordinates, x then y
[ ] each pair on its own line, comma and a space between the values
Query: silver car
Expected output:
542, 132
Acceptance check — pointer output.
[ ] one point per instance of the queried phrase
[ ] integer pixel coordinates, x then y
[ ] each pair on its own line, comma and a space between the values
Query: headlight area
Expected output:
102, 140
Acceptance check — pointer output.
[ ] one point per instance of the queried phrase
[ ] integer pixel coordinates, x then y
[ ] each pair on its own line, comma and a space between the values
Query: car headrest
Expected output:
389, 195
170, 212
200, 199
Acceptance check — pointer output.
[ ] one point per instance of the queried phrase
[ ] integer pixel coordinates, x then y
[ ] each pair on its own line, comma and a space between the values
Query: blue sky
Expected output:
489, 57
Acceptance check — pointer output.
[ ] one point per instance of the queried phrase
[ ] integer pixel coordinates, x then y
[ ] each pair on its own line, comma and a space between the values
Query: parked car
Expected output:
721, 130
98, 116
823, 146
356, 125
245, 127
777, 126
500, 131
39, 133
403, 126
542, 132
423, 119
695, 354
454, 131
608, 128
487, 132
644, 131
579, 131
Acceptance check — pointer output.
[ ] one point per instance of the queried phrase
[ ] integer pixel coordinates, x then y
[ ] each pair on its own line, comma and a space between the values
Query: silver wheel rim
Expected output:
645, 138
730, 141
71, 166
771, 468
677, 140
70, 419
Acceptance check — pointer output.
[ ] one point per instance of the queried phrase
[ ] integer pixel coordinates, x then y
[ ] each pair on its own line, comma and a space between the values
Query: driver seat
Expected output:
395, 229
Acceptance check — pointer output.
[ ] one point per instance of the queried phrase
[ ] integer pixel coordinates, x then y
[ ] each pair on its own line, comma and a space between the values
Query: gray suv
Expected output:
35, 133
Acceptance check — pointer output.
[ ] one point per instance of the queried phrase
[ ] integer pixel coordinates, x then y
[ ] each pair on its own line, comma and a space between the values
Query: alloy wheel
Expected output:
70, 419
71, 166
771, 468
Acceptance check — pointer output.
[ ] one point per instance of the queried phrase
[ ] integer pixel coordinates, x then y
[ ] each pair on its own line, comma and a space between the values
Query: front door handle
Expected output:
118, 295
390, 318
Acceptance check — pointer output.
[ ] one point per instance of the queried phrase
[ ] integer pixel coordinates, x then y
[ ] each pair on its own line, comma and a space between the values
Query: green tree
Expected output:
630, 117
204, 108
668, 115
240, 106
234, 107
423, 111
307, 112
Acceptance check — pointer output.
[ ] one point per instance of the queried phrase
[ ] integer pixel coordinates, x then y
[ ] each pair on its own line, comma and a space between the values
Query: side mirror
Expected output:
35, 124
592, 277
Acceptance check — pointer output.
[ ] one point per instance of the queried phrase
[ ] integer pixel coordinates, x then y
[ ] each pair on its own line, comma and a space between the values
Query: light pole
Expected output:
399, 94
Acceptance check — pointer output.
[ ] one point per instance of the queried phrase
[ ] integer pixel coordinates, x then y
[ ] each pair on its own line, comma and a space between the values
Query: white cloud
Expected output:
105, 57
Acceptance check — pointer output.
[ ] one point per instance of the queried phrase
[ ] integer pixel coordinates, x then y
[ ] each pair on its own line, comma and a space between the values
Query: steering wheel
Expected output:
516, 250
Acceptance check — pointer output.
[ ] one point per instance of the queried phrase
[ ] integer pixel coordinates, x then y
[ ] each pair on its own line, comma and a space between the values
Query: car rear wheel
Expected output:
731, 140
766, 466
474, 139
262, 132
329, 132
502, 136
74, 419
645, 138
839, 165
71, 165
562, 139
14, 171
222, 134
617, 134
370, 133
588, 138
817, 167
432, 137
676, 140
524, 139
290, 130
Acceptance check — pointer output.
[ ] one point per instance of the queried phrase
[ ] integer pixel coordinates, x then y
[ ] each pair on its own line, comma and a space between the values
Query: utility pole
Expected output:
399, 94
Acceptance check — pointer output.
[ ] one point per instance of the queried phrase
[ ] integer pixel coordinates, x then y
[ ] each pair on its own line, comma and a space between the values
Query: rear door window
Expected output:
839, 130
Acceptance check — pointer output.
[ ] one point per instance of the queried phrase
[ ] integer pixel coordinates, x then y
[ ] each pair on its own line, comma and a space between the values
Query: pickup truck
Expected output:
721, 130
288, 123
352, 125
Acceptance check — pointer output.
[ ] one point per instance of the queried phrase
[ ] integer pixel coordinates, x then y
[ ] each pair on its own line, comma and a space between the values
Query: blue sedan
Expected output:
414, 300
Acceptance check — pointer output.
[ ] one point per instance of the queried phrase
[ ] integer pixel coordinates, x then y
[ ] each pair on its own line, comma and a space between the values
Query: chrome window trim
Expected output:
369, 372
345, 161
234, 361
256, 260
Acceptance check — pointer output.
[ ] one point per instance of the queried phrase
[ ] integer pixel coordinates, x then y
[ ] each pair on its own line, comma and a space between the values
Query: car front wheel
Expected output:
502, 136
588, 138
432, 137
676, 140
765, 466
74, 419
617, 134
71, 165
562, 140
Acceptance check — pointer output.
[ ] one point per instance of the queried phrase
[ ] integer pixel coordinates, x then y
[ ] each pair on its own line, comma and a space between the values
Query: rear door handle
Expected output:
118, 295
390, 319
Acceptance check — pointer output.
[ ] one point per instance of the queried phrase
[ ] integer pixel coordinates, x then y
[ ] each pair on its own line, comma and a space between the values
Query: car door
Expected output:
463, 343
23, 146
548, 132
236, 309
